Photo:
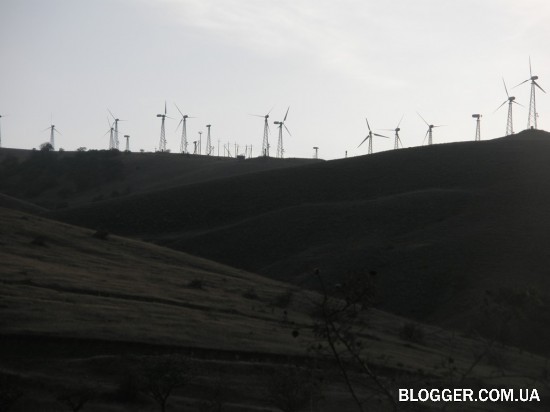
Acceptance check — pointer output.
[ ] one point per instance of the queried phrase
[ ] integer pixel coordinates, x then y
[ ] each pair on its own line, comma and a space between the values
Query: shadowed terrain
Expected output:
78, 305
444, 226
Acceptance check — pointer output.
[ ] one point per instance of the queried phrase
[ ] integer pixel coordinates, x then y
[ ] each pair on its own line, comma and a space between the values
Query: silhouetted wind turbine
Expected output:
115, 136
532, 120
162, 143
208, 141
280, 149
478, 126
265, 142
1, 130
52, 130
510, 100
429, 131
111, 135
397, 140
183, 122
370, 137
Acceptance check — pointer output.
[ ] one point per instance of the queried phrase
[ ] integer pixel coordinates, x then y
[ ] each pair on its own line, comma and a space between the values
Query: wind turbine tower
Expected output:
162, 142
208, 141
429, 132
532, 120
115, 135
280, 149
127, 137
200, 143
397, 140
183, 122
511, 101
0, 131
370, 137
265, 142
478, 126
53, 131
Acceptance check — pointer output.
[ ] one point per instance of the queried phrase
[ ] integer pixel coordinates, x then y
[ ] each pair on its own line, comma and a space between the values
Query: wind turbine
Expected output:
52, 130
111, 135
127, 137
478, 126
265, 142
280, 150
370, 137
397, 140
183, 122
208, 141
1, 130
510, 100
429, 131
532, 120
162, 142
115, 136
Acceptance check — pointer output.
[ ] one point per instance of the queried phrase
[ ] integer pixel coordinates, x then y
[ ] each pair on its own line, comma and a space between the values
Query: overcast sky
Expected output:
333, 62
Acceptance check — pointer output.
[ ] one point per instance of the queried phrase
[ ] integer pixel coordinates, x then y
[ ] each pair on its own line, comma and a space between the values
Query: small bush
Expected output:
411, 332
101, 234
283, 300
196, 284
251, 294
39, 241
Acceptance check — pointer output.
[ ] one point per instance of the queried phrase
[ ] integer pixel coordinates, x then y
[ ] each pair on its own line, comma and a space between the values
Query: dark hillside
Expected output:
57, 180
443, 225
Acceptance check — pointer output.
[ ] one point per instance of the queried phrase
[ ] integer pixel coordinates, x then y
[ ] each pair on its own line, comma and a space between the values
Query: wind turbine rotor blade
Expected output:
427, 124
288, 131
388, 130
368, 125
178, 126
399, 140
286, 113
505, 88
178, 109
525, 81
399, 124
380, 135
441, 125
111, 113
47, 128
57, 131
536, 84
268, 113
257, 115
364, 140
519, 104
505, 101
530, 71
165, 107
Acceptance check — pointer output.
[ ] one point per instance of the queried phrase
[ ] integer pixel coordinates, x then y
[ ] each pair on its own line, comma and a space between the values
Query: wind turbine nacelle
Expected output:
534, 77
512, 98
277, 123
159, 115
398, 129
476, 116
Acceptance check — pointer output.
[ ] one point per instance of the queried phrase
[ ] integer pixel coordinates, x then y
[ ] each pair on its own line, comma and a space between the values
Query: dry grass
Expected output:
72, 306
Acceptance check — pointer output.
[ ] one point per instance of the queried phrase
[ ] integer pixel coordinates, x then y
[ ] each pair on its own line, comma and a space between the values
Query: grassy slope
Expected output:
58, 181
72, 303
443, 226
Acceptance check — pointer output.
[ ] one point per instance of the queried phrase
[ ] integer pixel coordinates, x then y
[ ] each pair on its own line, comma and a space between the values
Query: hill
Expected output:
77, 306
56, 180
444, 226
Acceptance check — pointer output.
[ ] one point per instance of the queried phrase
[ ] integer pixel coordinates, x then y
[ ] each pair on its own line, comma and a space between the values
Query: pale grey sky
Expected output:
332, 62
